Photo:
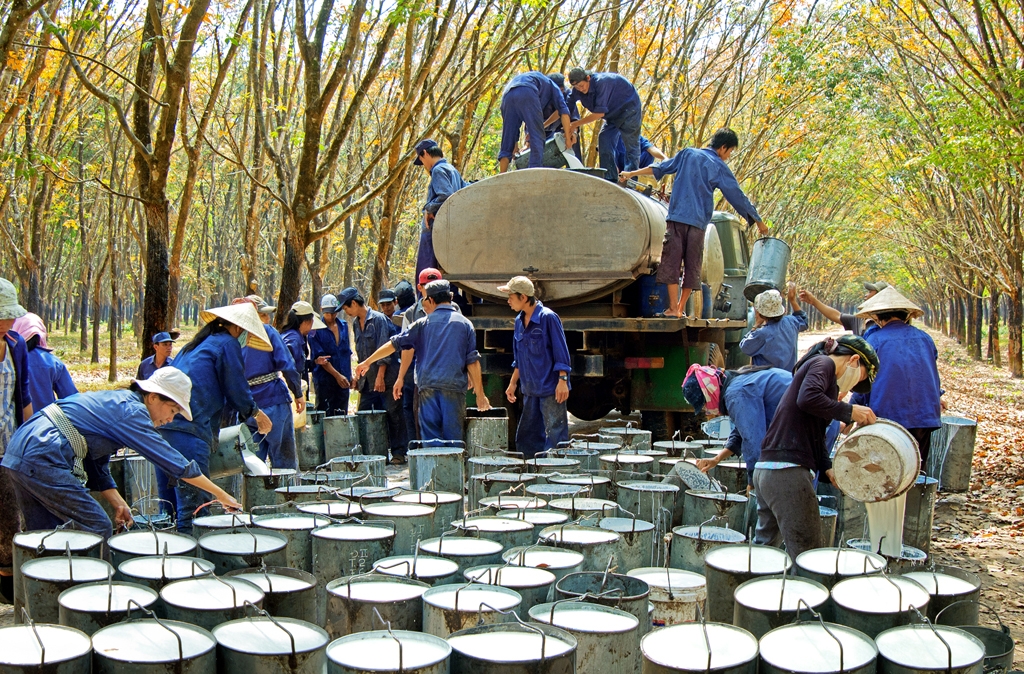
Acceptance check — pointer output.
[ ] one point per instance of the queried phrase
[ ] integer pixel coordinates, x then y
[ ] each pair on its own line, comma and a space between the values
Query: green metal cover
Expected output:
662, 388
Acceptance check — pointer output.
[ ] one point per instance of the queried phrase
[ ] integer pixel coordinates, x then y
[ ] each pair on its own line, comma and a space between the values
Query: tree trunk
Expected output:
291, 272
1014, 321
994, 354
96, 315
975, 327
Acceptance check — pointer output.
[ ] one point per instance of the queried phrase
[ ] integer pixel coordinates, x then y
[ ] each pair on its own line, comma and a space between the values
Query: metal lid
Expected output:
938, 583
19, 645
510, 576
425, 566
578, 535
351, 531
79, 541
717, 534
368, 494
152, 543
266, 636
290, 521
919, 648
543, 557
622, 457
497, 461
670, 445
225, 521
504, 476
771, 594
276, 582
668, 578
879, 594
378, 651
809, 649
433, 498
587, 444
585, 617
460, 546
101, 596
644, 485
557, 490
536, 517
749, 558
840, 561
503, 501
682, 647
472, 598
331, 508
211, 593
60, 569
243, 542
622, 430
494, 524
716, 495
165, 568
146, 641
552, 462
395, 509
377, 588
511, 642
584, 504
624, 525
585, 480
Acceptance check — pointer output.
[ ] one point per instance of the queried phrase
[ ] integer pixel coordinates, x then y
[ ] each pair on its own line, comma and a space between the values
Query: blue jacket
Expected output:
376, 334
22, 390
147, 367
321, 343
609, 94
550, 96
750, 401
775, 344
445, 180
218, 379
540, 352
906, 389
48, 375
109, 420
299, 350
698, 174
259, 363
646, 159
445, 345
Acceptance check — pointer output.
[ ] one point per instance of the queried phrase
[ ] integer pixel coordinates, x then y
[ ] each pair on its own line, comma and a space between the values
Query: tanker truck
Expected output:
591, 248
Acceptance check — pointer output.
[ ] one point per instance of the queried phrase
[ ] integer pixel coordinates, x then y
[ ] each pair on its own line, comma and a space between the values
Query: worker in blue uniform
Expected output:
49, 378
748, 396
446, 362
271, 376
445, 180
613, 98
773, 341
649, 154
300, 322
531, 99
63, 452
540, 367
213, 362
907, 389
163, 344
574, 113
698, 174
331, 355
387, 302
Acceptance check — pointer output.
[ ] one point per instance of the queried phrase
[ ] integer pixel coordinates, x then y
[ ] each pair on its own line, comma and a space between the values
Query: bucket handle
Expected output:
155, 618
71, 566
410, 567
707, 639
1003, 628
41, 547
110, 586
266, 574
351, 579
949, 651
234, 591
265, 614
528, 626
27, 619
828, 630
375, 491
387, 627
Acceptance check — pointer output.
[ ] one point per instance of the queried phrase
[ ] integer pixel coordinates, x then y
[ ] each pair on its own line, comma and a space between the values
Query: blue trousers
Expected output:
442, 413
521, 106
409, 409
425, 254
625, 125
49, 498
543, 424
330, 397
185, 498
279, 443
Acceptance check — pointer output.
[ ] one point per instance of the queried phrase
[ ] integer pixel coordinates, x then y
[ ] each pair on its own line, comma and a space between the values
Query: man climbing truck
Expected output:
593, 261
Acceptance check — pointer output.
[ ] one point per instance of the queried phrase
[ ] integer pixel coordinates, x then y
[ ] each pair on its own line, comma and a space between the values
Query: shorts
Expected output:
683, 247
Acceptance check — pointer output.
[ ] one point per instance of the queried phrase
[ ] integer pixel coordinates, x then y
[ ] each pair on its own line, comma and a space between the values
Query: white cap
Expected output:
171, 382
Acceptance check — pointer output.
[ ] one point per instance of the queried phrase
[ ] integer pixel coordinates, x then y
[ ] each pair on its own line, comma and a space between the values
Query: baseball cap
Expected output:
558, 79
348, 294
261, 304
518, 284
162, 337
302, 308
429, 274
329, 304
172, 383
577, 75
421, 146
387, 295
439, 290
877, 286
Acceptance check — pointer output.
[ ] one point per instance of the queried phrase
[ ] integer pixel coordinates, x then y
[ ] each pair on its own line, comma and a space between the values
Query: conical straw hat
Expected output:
243, 315
888, 299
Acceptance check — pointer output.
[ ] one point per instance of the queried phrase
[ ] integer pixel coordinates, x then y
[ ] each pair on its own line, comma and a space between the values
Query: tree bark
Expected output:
994, 354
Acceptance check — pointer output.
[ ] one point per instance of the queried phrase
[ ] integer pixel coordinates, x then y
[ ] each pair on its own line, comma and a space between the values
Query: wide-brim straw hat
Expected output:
245, 316
888, 299
172, 383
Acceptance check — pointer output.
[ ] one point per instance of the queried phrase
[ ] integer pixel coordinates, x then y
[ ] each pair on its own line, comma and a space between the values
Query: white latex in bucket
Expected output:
885, 525
877, 462
674, 594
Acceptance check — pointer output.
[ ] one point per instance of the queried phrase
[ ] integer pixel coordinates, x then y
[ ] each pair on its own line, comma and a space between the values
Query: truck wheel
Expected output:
715, 356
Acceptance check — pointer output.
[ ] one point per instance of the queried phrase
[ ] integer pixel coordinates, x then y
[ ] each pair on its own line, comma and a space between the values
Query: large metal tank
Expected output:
584, 236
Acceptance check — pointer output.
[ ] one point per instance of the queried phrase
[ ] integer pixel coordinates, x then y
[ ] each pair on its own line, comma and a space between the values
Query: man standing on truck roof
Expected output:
698, 174
611, 97
445, 180
541, 362
531, 98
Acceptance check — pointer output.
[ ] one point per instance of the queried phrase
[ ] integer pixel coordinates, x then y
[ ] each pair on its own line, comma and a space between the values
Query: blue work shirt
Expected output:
906, 389
646, 158
750, 401
698, 174
540, 352
299, 350
321, 343
445, 180
109, 420
218, 379
370, 337
550, 96
47, 375
258, 363
147, 367
445, 345
609, 94
18, 350
775, 344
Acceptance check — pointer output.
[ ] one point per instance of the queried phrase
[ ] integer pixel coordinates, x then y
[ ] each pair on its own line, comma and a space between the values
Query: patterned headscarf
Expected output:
30, 325
702, 384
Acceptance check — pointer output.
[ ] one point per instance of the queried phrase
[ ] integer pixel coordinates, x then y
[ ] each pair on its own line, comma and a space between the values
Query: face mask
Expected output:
849, 379
243, 338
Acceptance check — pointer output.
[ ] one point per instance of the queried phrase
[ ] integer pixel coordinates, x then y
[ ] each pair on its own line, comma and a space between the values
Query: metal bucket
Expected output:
506, 531
143, 543
495, 464
947, 586
271, 646
552, 491
675, 593
287, 593
679, 448
655, 502
873, 604
208, 602
732, 474
609, 589
450, 608
30, 545
490, 484
243, 548
373, 431
306, 493
852, 519
558, 561
309, 441
547, 465
486, 431
447, 505
585, 511
596, 485
442, 468
919, 513
45, 578
466, 551
828, 566
729, 566
154, 647
538, 518
388, 652
92, 606
952, 453
260, 490
350, 549
632, 439
337, 509
608, 639
923, 649
226, 459
365, 495
413, 522
141, 489
689, 545
828, 518
769, 260
513, 648
586, 456
533, 585
46, 649
909, 559
638, 544
817, 648
998, 644
335, 479
219, 523
156, 571
341, 436
352, 602
511, 501
700, 647
296, 528
877, 462
424, 568
621, 465
370, 465
764, 603
665, 466
701, 505
596, 545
